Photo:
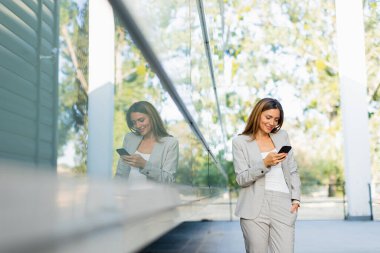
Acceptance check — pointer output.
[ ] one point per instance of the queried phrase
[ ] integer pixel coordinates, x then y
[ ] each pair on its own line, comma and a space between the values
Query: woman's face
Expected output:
269, 120
141, 123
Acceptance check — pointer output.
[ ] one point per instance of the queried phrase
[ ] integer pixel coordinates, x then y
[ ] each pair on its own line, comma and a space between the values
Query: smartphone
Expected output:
285, 149
122, 151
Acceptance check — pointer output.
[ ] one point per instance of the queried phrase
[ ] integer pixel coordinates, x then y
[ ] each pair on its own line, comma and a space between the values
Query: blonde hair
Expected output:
253, 123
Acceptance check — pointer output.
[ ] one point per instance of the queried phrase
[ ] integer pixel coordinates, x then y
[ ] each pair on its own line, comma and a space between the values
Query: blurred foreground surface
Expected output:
42, 212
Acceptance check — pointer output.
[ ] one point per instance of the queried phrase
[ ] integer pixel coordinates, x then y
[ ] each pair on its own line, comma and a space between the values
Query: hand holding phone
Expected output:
284, 149
122, 151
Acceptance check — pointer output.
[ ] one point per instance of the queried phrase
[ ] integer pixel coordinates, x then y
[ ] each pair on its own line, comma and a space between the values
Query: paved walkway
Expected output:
311, 236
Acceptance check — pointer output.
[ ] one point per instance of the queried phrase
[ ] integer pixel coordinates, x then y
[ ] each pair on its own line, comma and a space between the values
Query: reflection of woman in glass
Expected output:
270, 185
154, 153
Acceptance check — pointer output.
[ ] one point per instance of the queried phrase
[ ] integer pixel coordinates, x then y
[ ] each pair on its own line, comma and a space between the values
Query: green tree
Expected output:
73, 80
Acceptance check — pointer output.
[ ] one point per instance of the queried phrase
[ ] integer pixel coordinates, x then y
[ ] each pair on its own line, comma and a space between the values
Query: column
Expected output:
101, 89
353, 85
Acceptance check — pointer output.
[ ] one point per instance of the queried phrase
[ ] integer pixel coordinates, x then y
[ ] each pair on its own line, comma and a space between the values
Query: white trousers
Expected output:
273, 228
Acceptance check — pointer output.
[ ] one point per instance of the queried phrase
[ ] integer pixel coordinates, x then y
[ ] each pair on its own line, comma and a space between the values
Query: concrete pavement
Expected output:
332, 236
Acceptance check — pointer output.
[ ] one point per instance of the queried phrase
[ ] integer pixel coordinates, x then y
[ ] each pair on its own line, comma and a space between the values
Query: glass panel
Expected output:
136, 82
174, 32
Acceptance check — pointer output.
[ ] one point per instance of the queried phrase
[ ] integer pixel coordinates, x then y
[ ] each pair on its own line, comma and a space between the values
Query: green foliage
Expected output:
216, 179
229, 167
72, 116
316, 172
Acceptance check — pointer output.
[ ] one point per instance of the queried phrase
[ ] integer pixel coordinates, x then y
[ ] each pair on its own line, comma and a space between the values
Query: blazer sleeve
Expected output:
170, 164
165, 171
295, 181
123, 169
247, 172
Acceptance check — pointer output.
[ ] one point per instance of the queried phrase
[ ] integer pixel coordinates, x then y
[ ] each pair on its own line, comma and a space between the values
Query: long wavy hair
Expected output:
253, 123
147, 108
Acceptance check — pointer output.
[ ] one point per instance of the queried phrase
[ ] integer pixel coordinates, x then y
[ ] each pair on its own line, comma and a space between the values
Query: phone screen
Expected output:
285, 149
122, 151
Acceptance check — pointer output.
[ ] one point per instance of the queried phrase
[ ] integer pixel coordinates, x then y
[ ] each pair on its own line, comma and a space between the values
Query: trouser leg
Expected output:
282, 228
256, 231
281, 238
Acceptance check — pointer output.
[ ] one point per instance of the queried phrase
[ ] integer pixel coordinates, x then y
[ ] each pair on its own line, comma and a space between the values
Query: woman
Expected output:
270, 195
154, 153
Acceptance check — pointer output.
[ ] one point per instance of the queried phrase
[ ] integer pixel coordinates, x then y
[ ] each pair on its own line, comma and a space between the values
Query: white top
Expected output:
274, 179
135, 176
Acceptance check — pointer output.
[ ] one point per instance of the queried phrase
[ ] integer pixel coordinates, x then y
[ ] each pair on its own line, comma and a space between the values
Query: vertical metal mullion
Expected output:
208, 170
206, 42
55, 85
38, 84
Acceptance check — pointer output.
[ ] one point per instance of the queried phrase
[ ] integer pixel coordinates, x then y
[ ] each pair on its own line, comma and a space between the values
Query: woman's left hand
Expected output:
135, 160
294, 208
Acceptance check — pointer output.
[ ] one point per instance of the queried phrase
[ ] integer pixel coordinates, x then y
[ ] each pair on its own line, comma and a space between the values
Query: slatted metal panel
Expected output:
29, 81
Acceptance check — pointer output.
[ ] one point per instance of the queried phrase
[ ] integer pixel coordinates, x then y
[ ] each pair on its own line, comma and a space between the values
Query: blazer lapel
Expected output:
254, 154
252, 144
276, 141
134, 143
156, 153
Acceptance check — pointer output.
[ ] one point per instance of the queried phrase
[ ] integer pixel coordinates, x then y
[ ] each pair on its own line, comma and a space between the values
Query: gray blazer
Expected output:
163, 161
250, 173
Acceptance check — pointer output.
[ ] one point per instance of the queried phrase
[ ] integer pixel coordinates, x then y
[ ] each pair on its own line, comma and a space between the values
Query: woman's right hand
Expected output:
273, 159
134, 160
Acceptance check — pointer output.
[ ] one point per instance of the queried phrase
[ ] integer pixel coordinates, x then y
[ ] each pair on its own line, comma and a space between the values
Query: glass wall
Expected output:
175, 35
173, 31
